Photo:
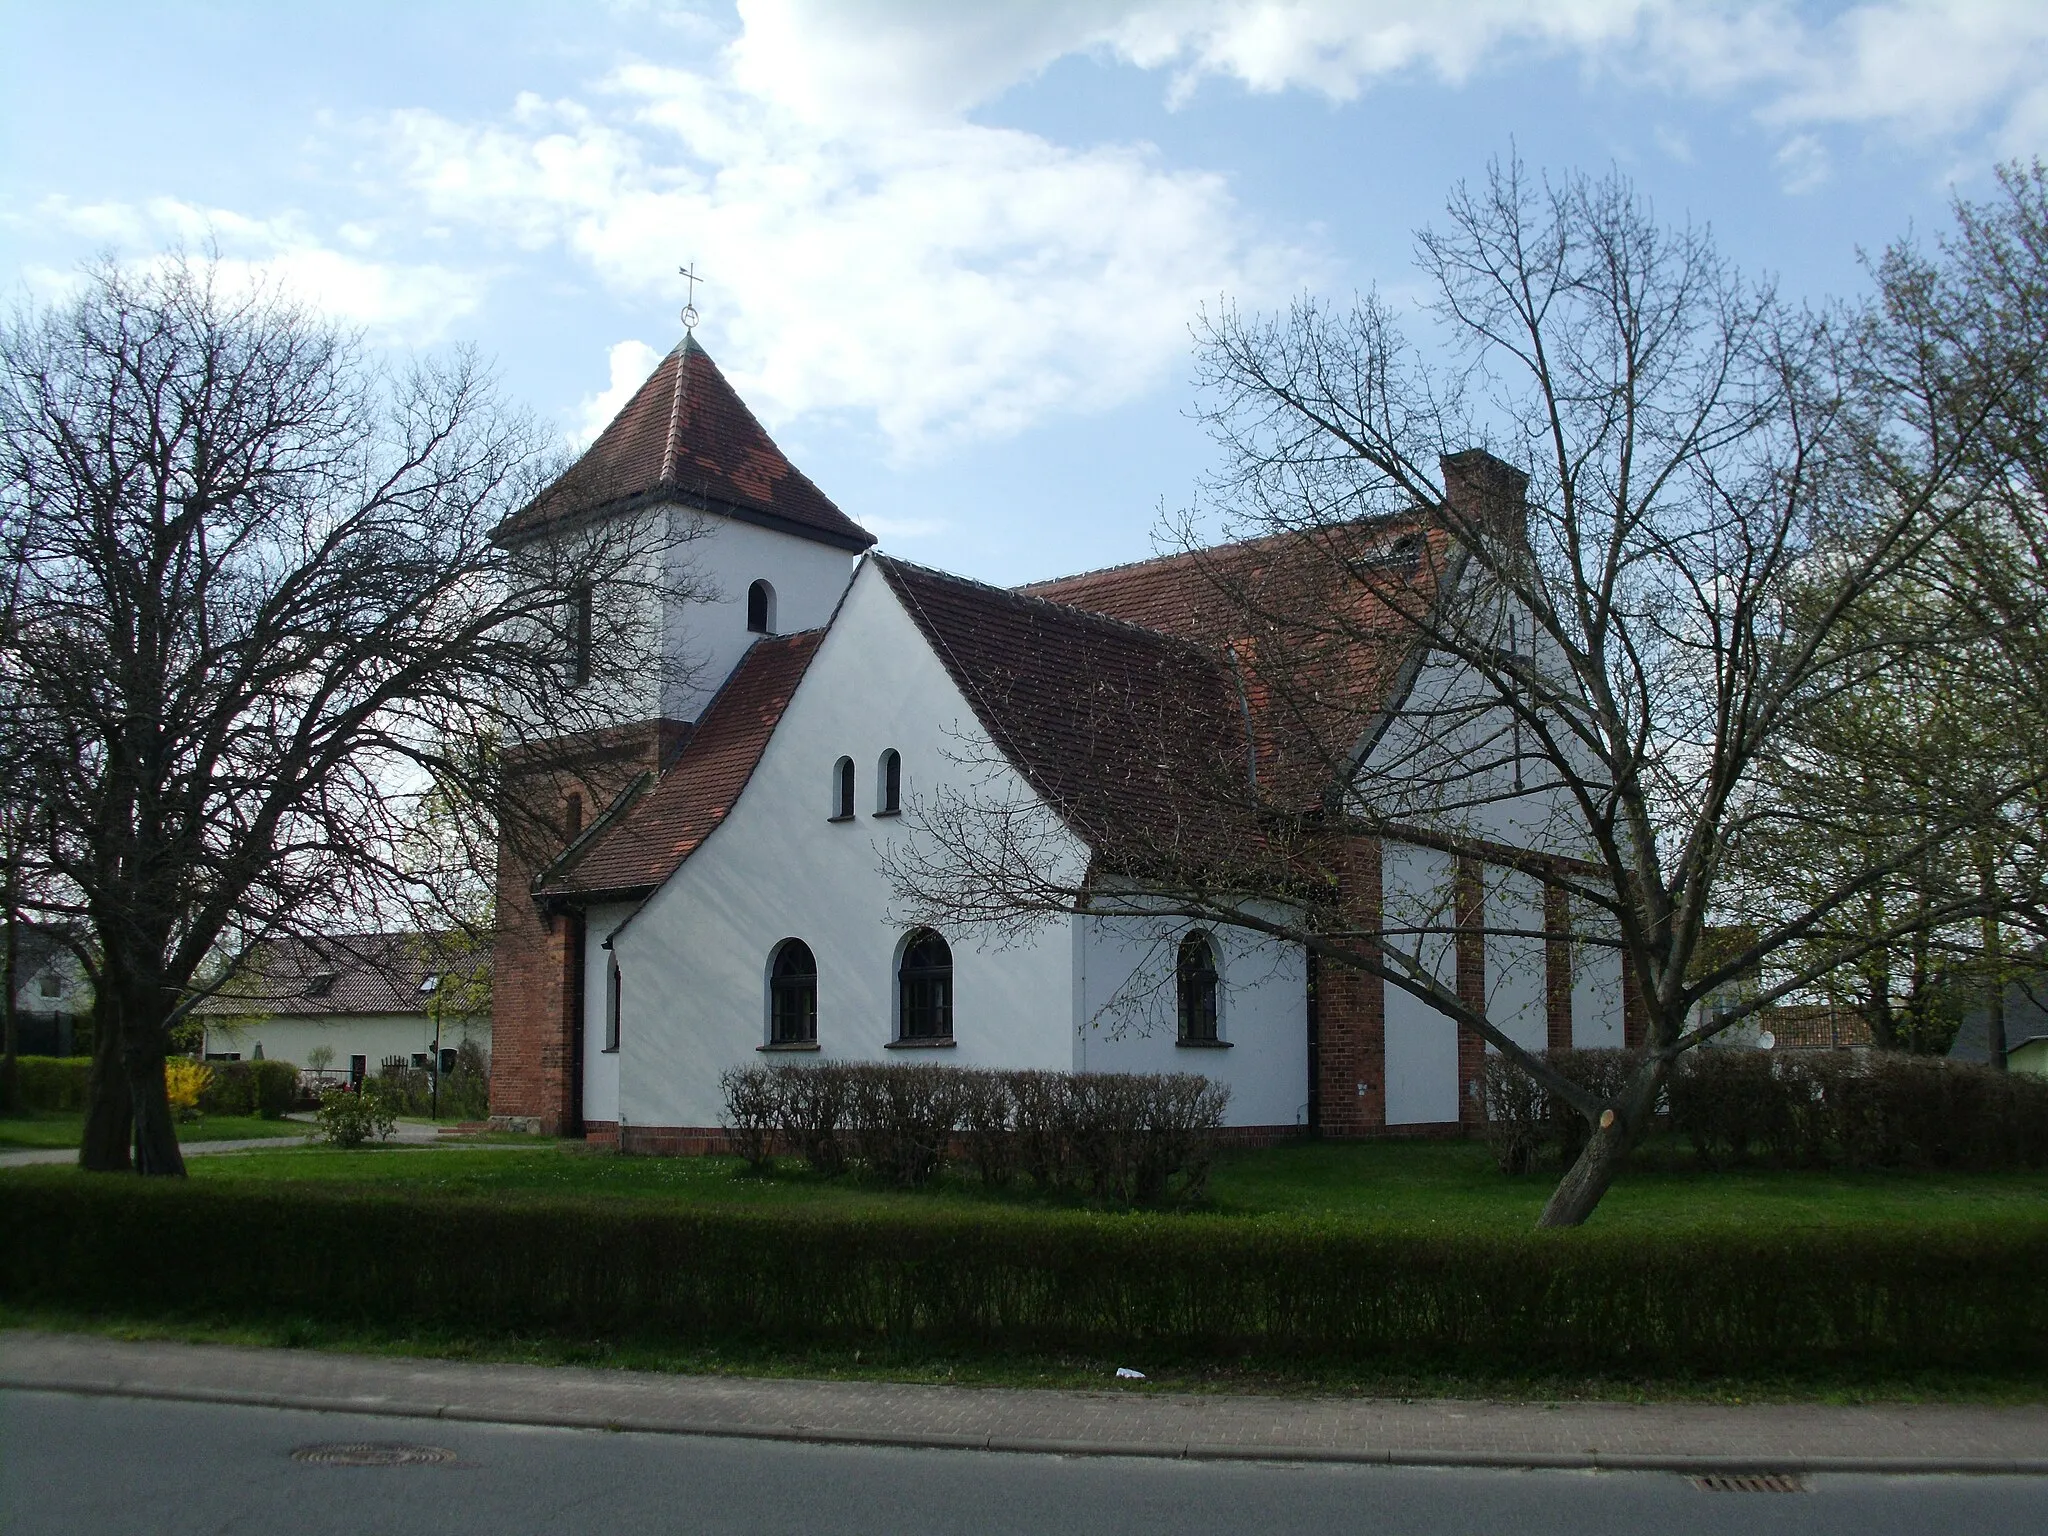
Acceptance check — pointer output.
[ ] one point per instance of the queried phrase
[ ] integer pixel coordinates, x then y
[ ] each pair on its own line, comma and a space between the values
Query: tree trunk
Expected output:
109, 1107
1588, 1179
156, 1133
10, 1038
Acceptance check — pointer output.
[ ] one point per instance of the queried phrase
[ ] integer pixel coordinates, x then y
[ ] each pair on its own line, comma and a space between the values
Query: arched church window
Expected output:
924, 989
1195, 988
842, 790
793, 995
760, 609
613, 998
889, 784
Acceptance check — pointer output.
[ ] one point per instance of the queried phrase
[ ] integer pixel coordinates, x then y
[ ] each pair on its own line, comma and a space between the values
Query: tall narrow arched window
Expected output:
582, 637
793, 995
842, 790
924, 989
1195, 987
889, 784
613, 997
760, 609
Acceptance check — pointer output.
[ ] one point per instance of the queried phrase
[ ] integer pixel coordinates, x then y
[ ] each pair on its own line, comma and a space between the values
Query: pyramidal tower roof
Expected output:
687, 436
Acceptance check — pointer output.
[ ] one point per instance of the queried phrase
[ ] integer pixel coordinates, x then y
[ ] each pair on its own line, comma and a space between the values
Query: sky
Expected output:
952, 251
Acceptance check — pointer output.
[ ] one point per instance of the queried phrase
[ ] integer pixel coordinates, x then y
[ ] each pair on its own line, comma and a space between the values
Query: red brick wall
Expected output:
1557, 968
1351, 1012
1471, 958
535, 1070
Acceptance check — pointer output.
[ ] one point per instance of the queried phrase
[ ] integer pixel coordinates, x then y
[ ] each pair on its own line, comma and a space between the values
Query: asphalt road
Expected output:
75, 1464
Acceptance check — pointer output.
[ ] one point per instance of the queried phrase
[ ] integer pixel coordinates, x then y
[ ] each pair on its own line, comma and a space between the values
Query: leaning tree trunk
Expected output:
1615, 1132
109, 1107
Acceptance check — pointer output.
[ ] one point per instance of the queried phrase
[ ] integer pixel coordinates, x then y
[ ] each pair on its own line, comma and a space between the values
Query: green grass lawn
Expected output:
1401, 1184
57, 1128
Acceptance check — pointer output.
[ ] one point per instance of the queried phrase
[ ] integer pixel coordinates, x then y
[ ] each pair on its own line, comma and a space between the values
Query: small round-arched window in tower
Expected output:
760, 609
842, 790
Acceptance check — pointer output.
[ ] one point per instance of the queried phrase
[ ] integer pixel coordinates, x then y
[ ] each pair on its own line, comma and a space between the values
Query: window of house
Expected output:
842, 790
1195, 987
358, 1069
582, 616
614, 995
889, 784
51, 985
924, 989
322, 983
760, 609
447, 1061
793, 995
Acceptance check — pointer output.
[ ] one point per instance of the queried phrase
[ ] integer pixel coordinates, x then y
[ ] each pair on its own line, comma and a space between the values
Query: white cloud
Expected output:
408, 303
1803, 164
631, 362
945, 279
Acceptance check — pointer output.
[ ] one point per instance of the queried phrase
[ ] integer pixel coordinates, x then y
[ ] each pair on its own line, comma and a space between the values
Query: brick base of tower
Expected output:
1351, 1012
536, 987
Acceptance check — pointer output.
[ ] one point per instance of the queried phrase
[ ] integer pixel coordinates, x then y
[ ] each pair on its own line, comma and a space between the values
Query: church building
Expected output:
722, 894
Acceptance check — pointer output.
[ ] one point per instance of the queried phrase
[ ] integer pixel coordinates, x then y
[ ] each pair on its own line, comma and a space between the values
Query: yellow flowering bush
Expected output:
184, 1081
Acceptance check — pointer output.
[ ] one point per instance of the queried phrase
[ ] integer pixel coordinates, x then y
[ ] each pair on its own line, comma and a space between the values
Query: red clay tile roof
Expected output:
1135, 738
652, 837
347, 973
686, 434
1320, 625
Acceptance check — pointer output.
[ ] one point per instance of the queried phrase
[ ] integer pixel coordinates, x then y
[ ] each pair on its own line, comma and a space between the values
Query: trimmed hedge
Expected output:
266, 1088
1129, 1137
1713, 1302
54, 1082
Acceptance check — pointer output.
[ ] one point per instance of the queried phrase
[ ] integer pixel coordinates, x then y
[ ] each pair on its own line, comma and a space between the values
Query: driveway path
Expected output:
1689, 1437
410, 1133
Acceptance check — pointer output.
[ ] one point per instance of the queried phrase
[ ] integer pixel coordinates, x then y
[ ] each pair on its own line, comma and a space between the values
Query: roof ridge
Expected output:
675, 414
1180, 555
1065, 610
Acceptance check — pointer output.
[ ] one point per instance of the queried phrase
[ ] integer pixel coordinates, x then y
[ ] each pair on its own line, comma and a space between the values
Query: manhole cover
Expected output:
374, 1453
1751, 1482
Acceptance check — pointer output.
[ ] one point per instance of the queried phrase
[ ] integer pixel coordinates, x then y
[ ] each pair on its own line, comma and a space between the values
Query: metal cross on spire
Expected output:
690, 316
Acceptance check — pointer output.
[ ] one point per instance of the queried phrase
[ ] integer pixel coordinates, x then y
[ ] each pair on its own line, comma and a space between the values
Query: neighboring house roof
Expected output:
687, 436
346, 973
641, 843
2026, 1019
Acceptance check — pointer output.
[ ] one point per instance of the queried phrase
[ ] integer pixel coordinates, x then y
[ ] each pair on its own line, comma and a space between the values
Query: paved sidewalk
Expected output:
1664, 1436
408, 1134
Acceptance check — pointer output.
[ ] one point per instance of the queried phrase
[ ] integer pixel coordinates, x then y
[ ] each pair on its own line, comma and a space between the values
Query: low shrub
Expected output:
185, 1081
1859, 1110
1705, 1302
54, 1083
351, 1116
1114, 1136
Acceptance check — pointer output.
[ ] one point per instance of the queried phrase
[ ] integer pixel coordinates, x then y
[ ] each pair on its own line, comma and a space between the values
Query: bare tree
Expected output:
262, 619
1578, 681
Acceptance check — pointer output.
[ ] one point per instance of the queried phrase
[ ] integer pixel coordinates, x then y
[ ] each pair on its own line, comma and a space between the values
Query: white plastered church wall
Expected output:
694, 959
722, 558
1127, 1014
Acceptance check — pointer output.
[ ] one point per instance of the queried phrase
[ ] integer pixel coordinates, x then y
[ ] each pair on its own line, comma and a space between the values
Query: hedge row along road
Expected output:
1718, 1301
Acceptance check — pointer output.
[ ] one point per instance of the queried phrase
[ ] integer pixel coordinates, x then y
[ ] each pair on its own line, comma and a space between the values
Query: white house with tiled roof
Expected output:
729, 898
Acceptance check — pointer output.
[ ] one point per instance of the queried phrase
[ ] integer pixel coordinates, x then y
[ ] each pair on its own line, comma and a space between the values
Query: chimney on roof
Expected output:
1488, 491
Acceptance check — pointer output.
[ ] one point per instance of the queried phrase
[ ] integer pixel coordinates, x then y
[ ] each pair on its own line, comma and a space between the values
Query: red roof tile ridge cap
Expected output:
1067, 611
1388, 519
681, 353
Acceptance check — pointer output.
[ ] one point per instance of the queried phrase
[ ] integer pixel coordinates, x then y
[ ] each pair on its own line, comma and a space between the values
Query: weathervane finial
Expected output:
690, 316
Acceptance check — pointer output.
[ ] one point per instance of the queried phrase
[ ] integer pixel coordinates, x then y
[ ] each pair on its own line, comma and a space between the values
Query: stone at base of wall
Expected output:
524, 1125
